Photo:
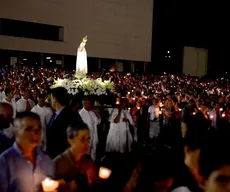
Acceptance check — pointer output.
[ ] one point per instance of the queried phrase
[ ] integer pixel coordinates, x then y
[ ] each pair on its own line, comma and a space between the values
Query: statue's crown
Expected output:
84, 39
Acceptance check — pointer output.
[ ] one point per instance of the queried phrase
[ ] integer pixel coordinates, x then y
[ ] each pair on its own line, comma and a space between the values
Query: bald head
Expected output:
6, 114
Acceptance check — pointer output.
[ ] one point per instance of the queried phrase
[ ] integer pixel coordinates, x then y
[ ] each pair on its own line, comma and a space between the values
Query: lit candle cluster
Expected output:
49, 185
104, 173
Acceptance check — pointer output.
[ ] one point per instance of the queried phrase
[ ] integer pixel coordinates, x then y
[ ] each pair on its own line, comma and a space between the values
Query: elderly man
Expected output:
74, 164
24, 166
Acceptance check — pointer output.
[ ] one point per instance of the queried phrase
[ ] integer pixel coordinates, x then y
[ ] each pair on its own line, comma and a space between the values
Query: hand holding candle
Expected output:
49, 185
161, 104
104, 173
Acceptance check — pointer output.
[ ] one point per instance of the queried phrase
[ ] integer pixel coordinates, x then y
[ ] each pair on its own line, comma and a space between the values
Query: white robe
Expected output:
90, 118
154, 129
21, 104
45, 114
13, 104
119, 138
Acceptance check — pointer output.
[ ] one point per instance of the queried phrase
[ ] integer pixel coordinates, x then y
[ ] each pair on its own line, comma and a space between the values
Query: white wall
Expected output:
195, 61
120, 29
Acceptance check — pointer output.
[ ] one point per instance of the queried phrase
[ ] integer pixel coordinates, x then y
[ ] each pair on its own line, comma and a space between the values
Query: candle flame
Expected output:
104, 173
49, 185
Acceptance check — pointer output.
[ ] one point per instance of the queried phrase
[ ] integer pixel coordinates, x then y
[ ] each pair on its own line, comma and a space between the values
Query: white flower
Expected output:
87, 85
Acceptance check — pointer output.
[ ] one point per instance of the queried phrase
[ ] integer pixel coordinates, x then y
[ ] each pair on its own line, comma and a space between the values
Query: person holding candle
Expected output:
24, 166
74, 166
136, 113
201, 118
153, 117
119, 138
215, 114
187, 116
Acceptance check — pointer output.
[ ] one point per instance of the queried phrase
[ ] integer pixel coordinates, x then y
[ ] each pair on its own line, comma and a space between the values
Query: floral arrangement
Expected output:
86, 86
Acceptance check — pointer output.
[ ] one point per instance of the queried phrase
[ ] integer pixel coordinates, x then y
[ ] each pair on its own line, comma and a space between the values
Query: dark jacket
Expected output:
5, 143
56, 132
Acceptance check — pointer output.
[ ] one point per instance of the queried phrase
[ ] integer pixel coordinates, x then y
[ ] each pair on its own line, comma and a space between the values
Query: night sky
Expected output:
199, 24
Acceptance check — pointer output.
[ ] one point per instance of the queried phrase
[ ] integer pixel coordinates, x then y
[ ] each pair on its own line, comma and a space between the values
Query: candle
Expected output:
117, 103
211, 116
223, 115
221, 109
129, 109
49, 185
194, 113
104, 173
138, 108
160, 112
142, 92
133, 98
180, 109
199, 108
129, 92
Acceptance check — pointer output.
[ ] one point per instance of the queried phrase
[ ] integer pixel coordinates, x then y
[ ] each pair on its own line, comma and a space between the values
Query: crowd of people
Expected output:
163, 133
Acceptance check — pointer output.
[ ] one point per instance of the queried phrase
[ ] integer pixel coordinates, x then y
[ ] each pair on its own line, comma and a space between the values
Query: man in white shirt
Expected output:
92, 119
45, 114
154, 125
25, 103
9, 99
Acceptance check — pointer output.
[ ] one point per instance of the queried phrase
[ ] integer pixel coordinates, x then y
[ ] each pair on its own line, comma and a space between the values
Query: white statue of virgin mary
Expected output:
81, 63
